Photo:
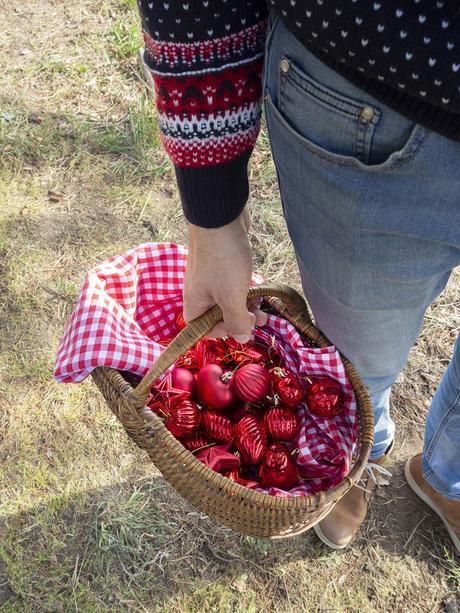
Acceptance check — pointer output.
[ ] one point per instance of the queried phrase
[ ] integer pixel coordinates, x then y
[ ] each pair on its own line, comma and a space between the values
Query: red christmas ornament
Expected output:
184, 418
270, 356
197, 442
213, 387
189, 360
287, 386
282, 423
183, 379
250, 438
211, 351
324, 397
161, 395
219, 458
234, 475
242, 354
217, 426
278, 469
242, 408
252, 382
180, 321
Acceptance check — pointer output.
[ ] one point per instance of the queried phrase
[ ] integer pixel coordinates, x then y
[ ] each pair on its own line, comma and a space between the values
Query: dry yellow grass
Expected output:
86, 523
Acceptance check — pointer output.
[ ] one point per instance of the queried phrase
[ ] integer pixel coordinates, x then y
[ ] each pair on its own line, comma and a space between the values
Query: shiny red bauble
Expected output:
217, 426
213, 387
184, 418
282, 424
287, 386
250, 438
324, 397
196, 442
251, 382
183, 379
278, 468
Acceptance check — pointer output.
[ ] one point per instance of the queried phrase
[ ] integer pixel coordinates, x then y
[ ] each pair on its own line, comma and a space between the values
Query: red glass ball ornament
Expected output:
184, 418
183, 379
287, 386
251, 382
214, 387
196, 442
250, 438
216, 426
278, 469
324, 397
282, 423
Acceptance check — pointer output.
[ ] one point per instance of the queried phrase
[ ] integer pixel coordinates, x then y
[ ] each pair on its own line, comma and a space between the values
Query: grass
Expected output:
86, 522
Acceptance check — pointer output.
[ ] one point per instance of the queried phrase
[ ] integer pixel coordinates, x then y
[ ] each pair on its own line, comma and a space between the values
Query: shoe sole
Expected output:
427, 500
320, 534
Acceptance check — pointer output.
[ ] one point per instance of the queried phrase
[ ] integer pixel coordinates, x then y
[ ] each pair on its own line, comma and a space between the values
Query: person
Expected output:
362, 105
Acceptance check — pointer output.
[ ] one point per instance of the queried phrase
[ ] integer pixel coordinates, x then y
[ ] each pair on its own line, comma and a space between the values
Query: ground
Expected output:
86, 522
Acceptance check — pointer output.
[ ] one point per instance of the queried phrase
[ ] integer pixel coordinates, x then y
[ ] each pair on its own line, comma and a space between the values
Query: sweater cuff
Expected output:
213, 196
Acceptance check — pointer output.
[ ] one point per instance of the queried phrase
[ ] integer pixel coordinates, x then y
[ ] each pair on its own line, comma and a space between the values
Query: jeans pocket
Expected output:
329, 119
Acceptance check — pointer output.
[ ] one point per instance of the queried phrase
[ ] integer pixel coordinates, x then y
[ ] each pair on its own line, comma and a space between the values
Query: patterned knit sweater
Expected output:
206, 59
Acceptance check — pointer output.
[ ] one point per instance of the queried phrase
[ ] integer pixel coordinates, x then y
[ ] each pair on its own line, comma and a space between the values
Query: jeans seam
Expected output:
439, 429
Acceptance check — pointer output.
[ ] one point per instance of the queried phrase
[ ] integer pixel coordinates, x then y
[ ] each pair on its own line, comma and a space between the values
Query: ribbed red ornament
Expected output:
287, 386
180, 321
324, 397
250, 438
197, 441
278, 468
216, 426
252, 382
282, 423
184, 418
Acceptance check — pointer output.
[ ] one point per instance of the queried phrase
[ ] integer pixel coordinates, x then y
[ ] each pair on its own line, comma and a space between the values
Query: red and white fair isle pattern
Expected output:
240, 46
211, 115
199, 152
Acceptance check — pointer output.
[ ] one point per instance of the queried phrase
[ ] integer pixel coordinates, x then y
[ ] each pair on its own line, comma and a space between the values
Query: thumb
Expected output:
238, 321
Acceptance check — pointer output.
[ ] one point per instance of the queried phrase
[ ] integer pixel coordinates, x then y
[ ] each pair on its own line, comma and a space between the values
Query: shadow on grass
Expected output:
135, 545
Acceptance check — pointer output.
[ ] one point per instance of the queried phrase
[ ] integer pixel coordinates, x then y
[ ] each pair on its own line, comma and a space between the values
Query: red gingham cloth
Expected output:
128, 304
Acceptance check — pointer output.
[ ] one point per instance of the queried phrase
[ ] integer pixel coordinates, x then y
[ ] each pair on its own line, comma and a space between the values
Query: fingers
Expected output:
261, 316
238, 321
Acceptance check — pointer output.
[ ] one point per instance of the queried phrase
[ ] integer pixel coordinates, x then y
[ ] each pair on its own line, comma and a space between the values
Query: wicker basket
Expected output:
244, 510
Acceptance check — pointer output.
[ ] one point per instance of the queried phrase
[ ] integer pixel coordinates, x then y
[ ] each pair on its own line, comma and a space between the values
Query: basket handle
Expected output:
200, 326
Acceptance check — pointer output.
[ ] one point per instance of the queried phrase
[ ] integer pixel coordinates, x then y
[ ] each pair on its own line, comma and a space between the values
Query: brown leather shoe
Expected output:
339, 527
448, 510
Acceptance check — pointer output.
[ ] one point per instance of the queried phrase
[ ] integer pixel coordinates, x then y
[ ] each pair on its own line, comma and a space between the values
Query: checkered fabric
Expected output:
127, 308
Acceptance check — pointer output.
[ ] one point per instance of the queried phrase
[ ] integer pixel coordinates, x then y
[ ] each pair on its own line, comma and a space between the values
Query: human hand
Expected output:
219, 271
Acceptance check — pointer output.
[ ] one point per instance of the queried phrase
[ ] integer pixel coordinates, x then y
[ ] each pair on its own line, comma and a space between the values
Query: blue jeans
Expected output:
372, 205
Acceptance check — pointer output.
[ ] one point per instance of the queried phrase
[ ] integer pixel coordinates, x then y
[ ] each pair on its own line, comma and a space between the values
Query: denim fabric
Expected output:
372, 205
